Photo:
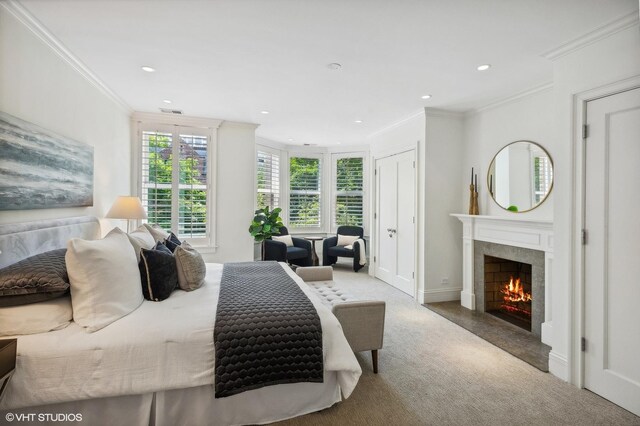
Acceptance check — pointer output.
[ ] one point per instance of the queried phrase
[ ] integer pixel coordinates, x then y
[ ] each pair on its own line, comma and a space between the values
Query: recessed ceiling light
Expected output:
334, 66
290, 139
484, 67
264, 112
148, 69
167, 101
338, 143
358, 121
426, 96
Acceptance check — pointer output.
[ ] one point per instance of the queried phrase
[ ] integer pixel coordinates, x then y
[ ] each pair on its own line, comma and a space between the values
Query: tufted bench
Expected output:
362, 320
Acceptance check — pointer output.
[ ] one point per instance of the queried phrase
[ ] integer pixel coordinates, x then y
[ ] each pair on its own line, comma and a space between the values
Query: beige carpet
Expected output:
433, 372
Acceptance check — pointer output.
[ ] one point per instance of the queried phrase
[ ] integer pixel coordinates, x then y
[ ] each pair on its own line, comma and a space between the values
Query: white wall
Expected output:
443, 185
610, 60
38, 86
530, 117
235, 192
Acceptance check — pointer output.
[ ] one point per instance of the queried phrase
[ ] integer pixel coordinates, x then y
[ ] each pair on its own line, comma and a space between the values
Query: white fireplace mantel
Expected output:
510, 231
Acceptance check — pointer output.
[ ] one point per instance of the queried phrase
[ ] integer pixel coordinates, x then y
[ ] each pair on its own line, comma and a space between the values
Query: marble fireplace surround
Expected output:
506, 231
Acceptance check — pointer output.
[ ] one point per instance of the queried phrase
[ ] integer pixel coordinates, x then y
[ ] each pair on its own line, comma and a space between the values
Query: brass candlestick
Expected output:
473, 199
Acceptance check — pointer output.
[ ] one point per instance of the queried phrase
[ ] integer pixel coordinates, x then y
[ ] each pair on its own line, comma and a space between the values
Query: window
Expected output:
268, 179
305, 192
349, 191
542, 177
174, 180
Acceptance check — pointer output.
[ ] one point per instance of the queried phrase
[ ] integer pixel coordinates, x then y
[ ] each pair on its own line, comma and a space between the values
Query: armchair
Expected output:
299, 254
331, 251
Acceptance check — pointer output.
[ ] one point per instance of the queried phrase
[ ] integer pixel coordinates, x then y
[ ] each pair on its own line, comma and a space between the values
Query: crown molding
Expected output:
396, 124
177, 120
443, 113
593, 36
513, 98
39, 30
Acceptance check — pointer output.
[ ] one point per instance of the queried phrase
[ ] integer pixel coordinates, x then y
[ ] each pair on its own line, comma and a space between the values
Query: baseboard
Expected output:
558, 366
547, 333
468, 300
440, 295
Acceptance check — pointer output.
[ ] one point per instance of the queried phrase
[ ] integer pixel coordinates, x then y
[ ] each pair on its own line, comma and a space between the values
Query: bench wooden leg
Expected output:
374, 358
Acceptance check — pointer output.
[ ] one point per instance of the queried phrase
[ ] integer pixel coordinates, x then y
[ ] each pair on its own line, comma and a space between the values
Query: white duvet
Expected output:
160, 346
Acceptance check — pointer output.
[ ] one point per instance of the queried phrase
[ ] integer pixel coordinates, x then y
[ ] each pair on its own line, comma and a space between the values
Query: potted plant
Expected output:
265, 224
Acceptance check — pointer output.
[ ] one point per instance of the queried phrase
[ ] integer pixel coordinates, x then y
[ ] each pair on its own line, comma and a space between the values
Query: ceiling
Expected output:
232, 59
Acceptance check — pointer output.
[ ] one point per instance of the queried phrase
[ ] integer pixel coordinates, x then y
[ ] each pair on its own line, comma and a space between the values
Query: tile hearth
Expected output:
508, 337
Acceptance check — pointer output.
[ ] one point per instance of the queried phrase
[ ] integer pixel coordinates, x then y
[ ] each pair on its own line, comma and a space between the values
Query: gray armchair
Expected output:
299, 254
331, 251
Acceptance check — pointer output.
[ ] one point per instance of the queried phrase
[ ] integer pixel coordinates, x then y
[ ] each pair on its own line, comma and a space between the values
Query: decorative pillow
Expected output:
160, 246
141, 238
105, 281
191, 267
284, 239
35, 318
34, 279
156, 232
158, 274
347, 240
172, 242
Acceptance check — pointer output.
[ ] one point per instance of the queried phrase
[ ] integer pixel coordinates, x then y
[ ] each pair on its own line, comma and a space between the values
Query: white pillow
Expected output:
34, 318
156, 232
283, 239
347, 240
141, 239
105, 280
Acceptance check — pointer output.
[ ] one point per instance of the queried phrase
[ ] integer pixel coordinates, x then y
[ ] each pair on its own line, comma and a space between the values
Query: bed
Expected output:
156, 365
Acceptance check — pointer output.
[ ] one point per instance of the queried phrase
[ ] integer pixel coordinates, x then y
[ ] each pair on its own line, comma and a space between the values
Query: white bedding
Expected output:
160, 346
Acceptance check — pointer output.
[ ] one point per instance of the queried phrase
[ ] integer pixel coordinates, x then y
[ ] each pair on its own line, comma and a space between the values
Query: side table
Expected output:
314, 255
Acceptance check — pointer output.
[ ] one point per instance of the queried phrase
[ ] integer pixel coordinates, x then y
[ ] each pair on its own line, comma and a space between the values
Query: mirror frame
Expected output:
552, 180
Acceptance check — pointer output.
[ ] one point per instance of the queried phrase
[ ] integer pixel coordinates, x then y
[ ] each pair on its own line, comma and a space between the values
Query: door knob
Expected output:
394, 231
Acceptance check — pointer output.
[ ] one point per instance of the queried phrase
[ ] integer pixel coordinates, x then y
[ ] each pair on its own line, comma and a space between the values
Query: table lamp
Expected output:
127, 208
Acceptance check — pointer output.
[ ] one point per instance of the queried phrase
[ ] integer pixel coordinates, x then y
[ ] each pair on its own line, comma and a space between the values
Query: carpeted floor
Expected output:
433, 372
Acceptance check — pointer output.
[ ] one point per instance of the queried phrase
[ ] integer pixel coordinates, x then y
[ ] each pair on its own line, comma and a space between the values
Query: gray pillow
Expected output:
34, 279
191, 267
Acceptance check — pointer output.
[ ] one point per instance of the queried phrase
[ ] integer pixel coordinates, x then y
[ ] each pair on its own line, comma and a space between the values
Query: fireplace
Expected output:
507, 290
509, 283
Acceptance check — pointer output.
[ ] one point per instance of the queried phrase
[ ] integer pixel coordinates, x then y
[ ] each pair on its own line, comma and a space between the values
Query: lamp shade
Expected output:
127, 208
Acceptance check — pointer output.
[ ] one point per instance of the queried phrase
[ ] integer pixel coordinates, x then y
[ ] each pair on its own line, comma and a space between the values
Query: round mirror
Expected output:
520, 176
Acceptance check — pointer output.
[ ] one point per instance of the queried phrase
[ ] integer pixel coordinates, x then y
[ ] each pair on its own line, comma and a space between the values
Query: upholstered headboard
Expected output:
21, 240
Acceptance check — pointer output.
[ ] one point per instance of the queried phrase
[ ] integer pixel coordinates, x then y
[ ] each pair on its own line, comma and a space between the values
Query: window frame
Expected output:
152, 122
323, 190
335, 156
281, 166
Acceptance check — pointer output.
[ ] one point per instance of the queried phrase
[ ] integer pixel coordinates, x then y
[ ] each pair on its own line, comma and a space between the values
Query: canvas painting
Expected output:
42, 170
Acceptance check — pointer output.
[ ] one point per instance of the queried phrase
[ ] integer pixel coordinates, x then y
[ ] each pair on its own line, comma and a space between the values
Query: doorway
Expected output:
395, 220
611, 249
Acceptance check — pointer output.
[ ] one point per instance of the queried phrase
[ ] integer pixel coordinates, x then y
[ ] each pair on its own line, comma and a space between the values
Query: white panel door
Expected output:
612, 292
386, 207
395, 206
404, 231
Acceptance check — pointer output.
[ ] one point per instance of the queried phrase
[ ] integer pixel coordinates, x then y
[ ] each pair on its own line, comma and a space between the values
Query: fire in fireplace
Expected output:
508, 290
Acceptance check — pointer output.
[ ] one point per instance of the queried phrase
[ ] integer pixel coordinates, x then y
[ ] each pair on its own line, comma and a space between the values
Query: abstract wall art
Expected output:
42, 170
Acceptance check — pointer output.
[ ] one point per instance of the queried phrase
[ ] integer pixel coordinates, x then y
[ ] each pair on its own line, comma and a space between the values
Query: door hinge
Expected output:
375, 172
414, 219
585, 131
374, 258
413, 275
375, 215
583, 344
584, 236
414, 164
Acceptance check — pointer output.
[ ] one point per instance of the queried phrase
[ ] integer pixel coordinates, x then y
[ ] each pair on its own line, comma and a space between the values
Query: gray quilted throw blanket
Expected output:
267, 331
